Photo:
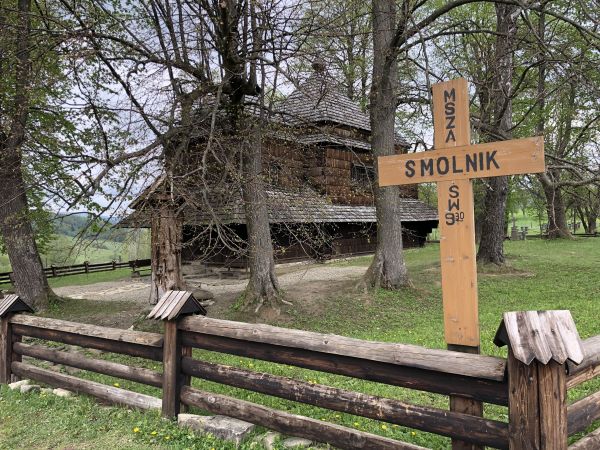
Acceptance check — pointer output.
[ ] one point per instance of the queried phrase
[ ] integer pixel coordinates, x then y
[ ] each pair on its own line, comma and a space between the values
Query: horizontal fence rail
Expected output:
478, 377
78, 269
584, 412
132, 343
433, 420
287, 423
589, 368
472, 376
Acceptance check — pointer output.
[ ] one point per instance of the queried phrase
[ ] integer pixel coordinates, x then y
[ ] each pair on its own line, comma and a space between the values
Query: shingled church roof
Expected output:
303, 205
321, 100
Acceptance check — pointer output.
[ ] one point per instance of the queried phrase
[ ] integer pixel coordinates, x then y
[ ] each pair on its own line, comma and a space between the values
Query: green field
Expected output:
542, 275
65, 250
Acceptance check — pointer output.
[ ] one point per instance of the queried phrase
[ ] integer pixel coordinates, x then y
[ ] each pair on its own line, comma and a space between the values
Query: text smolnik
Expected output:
442, 165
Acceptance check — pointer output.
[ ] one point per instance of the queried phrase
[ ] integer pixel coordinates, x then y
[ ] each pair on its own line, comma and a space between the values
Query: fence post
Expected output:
86, 265
53, 267
171, 307
540, 343
114, 265
9, 305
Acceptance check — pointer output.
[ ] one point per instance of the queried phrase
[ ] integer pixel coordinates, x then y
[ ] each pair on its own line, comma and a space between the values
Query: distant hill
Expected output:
76, 240
75, 224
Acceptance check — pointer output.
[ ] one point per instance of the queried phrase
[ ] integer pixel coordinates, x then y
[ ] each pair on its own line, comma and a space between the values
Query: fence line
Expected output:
482, 378
77, 269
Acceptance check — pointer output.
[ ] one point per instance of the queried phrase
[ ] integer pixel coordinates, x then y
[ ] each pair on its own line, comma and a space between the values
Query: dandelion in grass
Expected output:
154, 433
356, 424
136, 430
116, 385
412, 433
167, 438
384, 427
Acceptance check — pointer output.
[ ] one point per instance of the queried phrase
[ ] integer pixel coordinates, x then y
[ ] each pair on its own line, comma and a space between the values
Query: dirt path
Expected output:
297, 281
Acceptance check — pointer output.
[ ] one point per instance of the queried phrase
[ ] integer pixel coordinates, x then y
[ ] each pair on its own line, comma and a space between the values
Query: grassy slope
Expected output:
65, 250
83, 279
544, 275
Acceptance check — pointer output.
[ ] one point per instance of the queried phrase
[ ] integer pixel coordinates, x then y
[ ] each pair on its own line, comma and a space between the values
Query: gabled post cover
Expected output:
174, 304
11, 304
540, 335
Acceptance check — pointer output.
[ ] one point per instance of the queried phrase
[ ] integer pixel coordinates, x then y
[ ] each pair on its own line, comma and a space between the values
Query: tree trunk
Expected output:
555, 208
388, 269
28, 272
263, 287
166, 236
491, 245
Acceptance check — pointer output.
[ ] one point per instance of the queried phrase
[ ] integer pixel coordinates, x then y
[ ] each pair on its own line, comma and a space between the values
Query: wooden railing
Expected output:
77, 269
477, 377
584, 412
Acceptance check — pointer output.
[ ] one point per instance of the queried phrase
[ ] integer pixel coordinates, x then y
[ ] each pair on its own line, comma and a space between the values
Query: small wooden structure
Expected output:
174, 304
535, 392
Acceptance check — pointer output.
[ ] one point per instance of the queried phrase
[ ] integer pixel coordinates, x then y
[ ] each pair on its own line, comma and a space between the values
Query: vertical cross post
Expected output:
457, 236
453, 164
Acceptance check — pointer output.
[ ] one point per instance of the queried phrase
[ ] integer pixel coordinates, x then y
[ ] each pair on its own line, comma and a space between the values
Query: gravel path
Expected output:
296, 277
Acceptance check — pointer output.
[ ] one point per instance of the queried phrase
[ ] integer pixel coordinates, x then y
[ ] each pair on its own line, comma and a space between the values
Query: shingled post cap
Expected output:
174, 304
540, 335
11, 304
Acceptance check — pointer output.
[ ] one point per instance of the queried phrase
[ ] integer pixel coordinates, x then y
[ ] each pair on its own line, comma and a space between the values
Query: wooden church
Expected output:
319, 178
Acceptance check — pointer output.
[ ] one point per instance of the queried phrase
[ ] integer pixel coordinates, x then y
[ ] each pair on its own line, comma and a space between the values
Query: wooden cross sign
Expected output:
453, 164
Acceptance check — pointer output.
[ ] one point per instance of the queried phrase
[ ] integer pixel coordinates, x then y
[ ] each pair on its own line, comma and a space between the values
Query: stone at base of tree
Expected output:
222, 427
47, 391
269, 439
17, 384
62, 393
296, 442
203, 294
29, 388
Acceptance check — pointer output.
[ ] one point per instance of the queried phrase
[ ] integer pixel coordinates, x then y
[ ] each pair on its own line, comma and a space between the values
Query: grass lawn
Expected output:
541, 275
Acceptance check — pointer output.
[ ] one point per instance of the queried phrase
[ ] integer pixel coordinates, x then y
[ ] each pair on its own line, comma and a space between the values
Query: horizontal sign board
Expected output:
493, 159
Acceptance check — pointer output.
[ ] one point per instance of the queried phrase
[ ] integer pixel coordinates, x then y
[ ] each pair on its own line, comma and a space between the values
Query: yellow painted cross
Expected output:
453, 164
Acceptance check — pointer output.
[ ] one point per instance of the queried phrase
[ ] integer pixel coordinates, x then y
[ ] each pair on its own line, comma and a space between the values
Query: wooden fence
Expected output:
76, 269
484, 378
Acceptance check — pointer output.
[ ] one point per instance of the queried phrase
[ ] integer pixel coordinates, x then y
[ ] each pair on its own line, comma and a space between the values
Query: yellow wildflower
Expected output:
413, 433
154, 433
136, 430
116, 385
384, 427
